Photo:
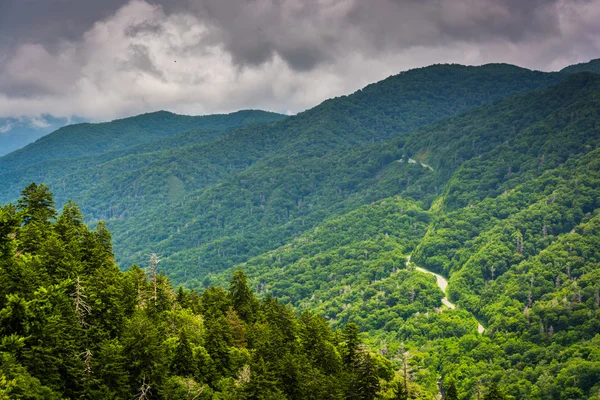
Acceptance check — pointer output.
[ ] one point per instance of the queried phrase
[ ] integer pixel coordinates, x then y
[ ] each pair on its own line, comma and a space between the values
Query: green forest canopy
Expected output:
497, 192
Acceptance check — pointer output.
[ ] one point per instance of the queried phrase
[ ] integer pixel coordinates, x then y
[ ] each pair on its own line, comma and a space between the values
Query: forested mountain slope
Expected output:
73, 326
590, 66
487, 175
175, 183
288, 192
16, 133
514, 228
398, 104
85, 139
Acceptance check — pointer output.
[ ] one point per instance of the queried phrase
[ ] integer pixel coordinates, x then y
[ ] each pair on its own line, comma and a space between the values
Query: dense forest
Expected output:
305, 247
261, 170
74, 326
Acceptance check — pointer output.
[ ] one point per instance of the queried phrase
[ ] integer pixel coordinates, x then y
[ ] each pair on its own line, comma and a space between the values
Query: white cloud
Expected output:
6, 127
143, 58
38, 122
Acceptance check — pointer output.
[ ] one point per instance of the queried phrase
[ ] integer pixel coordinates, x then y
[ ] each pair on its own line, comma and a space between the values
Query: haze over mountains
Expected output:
16, 133
487, 175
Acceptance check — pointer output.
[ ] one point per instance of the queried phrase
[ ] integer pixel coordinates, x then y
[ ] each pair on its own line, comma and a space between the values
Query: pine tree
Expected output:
181, 298
111, 371
218, 340
242, 298
352, 342
451, 393
69, 225
262, 382
494, 393
182, 363
364, 383
400, 392
36, 209
317, 342
9, 222
146, 359
36, 204
214, 301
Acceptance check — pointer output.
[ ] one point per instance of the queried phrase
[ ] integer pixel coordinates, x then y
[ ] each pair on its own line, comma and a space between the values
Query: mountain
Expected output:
590, 66
514, 227
317, 153
486, 176
86, 139
73, 326
18, 132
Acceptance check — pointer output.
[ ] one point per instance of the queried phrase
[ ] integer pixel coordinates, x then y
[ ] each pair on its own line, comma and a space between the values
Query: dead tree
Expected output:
82, 308
87, 363
154, 261
144, 391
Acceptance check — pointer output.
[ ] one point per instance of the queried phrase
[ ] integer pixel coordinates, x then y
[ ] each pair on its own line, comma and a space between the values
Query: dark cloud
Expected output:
138, 58
303, 33
143, 28
306, 33
102, 59
49, 21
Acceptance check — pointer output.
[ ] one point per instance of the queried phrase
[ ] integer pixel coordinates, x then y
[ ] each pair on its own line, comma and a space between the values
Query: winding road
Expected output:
443, 284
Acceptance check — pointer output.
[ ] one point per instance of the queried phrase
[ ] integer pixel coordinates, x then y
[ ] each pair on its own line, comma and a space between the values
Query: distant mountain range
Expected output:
19, 132
487, 175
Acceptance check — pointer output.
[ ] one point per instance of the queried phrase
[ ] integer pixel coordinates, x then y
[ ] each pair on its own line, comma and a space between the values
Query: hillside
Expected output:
298, 190
85, 139
488, 176
514, 228
74, 326
171, 184
19, 132
590, 66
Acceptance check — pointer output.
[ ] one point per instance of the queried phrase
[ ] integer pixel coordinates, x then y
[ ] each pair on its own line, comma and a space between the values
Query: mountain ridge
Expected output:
73, 140
489, 176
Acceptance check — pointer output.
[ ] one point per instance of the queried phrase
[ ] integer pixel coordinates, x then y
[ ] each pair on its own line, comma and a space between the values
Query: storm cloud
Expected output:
101, 60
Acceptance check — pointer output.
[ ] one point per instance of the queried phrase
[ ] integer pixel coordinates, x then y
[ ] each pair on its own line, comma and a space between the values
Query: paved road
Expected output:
443, 284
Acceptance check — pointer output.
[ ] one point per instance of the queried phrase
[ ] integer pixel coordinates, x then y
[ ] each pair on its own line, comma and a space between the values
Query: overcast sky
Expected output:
102, 59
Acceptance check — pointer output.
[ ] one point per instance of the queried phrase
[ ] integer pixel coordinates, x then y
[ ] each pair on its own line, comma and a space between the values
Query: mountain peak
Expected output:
590, 66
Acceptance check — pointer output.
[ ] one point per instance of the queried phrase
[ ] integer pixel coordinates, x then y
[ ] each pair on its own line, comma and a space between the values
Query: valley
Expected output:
443, 285
442, 222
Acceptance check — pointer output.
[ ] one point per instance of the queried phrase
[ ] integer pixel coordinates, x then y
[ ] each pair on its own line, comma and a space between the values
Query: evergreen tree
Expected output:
317, 341
36, 208
111, 371
9, 222
352, 342
142, 347
183, 360
36, 204
69, 225
262, 382
400, 393
451, 393
217, 341
242, 298
182, 298
214, 302
72, 325
364, 380
494, 393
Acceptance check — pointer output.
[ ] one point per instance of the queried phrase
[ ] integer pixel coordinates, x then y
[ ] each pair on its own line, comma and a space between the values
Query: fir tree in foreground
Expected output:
72, 325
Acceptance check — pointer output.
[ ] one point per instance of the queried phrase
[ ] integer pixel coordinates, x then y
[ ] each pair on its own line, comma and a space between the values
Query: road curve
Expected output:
443, 285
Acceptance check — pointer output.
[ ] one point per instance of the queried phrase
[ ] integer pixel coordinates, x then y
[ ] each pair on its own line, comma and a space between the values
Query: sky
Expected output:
102, 60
